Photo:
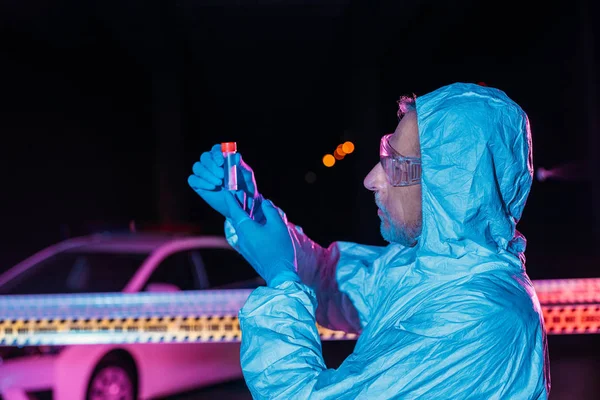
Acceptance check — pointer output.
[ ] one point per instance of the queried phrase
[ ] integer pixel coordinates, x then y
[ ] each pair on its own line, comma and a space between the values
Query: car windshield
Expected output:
77, 272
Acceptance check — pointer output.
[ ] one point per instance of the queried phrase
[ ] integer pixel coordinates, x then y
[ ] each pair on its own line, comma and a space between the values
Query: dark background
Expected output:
105, 105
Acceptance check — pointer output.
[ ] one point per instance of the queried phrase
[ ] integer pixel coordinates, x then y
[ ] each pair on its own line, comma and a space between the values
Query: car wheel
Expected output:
112, 379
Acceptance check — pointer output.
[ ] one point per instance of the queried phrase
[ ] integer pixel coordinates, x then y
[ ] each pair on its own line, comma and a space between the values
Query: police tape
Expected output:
572, 319
210, 316
195, 316
568, 291
558, 320
132, 330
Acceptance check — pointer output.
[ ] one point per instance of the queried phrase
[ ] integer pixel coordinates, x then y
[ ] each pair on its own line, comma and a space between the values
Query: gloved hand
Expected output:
208, 179
267, 247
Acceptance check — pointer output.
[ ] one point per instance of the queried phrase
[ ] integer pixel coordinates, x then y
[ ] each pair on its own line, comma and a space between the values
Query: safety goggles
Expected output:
400, 170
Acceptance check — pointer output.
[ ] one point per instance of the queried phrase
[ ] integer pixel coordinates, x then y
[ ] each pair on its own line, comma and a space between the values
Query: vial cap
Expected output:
228, 147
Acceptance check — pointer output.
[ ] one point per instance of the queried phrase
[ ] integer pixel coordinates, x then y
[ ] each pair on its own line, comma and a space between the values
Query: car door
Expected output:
176, 367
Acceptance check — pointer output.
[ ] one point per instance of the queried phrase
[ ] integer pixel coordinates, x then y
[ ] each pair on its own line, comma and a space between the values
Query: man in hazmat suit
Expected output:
446, 310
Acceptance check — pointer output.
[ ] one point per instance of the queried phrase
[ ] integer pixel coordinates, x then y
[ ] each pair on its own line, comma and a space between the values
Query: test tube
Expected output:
229, 149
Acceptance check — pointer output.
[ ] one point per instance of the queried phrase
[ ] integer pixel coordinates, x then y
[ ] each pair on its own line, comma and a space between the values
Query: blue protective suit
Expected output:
455, 317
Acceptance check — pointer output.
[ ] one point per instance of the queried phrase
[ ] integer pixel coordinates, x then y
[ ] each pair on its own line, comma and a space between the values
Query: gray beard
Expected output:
405, 234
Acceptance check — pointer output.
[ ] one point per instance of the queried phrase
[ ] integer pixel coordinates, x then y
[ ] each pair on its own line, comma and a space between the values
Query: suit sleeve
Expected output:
461, 350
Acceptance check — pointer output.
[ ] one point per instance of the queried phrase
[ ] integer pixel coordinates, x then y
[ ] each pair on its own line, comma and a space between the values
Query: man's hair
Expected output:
406, 104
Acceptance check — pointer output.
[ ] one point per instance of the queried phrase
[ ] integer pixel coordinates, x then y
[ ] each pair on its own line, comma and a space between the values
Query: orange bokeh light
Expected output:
328, 160
348, 147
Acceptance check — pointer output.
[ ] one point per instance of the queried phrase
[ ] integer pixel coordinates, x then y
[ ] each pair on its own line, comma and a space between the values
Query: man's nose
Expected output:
376, 179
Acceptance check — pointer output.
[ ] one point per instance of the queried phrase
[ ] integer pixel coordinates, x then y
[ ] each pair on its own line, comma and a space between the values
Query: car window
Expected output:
177, 269
77, 272
226, 267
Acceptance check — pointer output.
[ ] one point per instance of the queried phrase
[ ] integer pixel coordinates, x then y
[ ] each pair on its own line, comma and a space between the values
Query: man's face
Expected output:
399, 207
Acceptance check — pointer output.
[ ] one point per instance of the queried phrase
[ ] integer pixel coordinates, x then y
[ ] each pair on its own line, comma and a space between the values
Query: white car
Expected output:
122, 263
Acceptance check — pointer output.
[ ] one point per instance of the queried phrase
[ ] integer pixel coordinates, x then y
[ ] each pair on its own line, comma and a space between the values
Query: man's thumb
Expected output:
270, 212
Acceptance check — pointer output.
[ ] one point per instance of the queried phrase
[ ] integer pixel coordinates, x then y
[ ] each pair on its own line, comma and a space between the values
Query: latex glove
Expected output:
208, 179
232, 236
268, 246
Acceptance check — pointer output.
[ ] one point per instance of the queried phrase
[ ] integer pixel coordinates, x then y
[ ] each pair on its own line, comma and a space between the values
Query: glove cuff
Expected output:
282, 277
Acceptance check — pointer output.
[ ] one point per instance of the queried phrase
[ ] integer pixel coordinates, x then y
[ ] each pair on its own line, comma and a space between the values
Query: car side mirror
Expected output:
159, 287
